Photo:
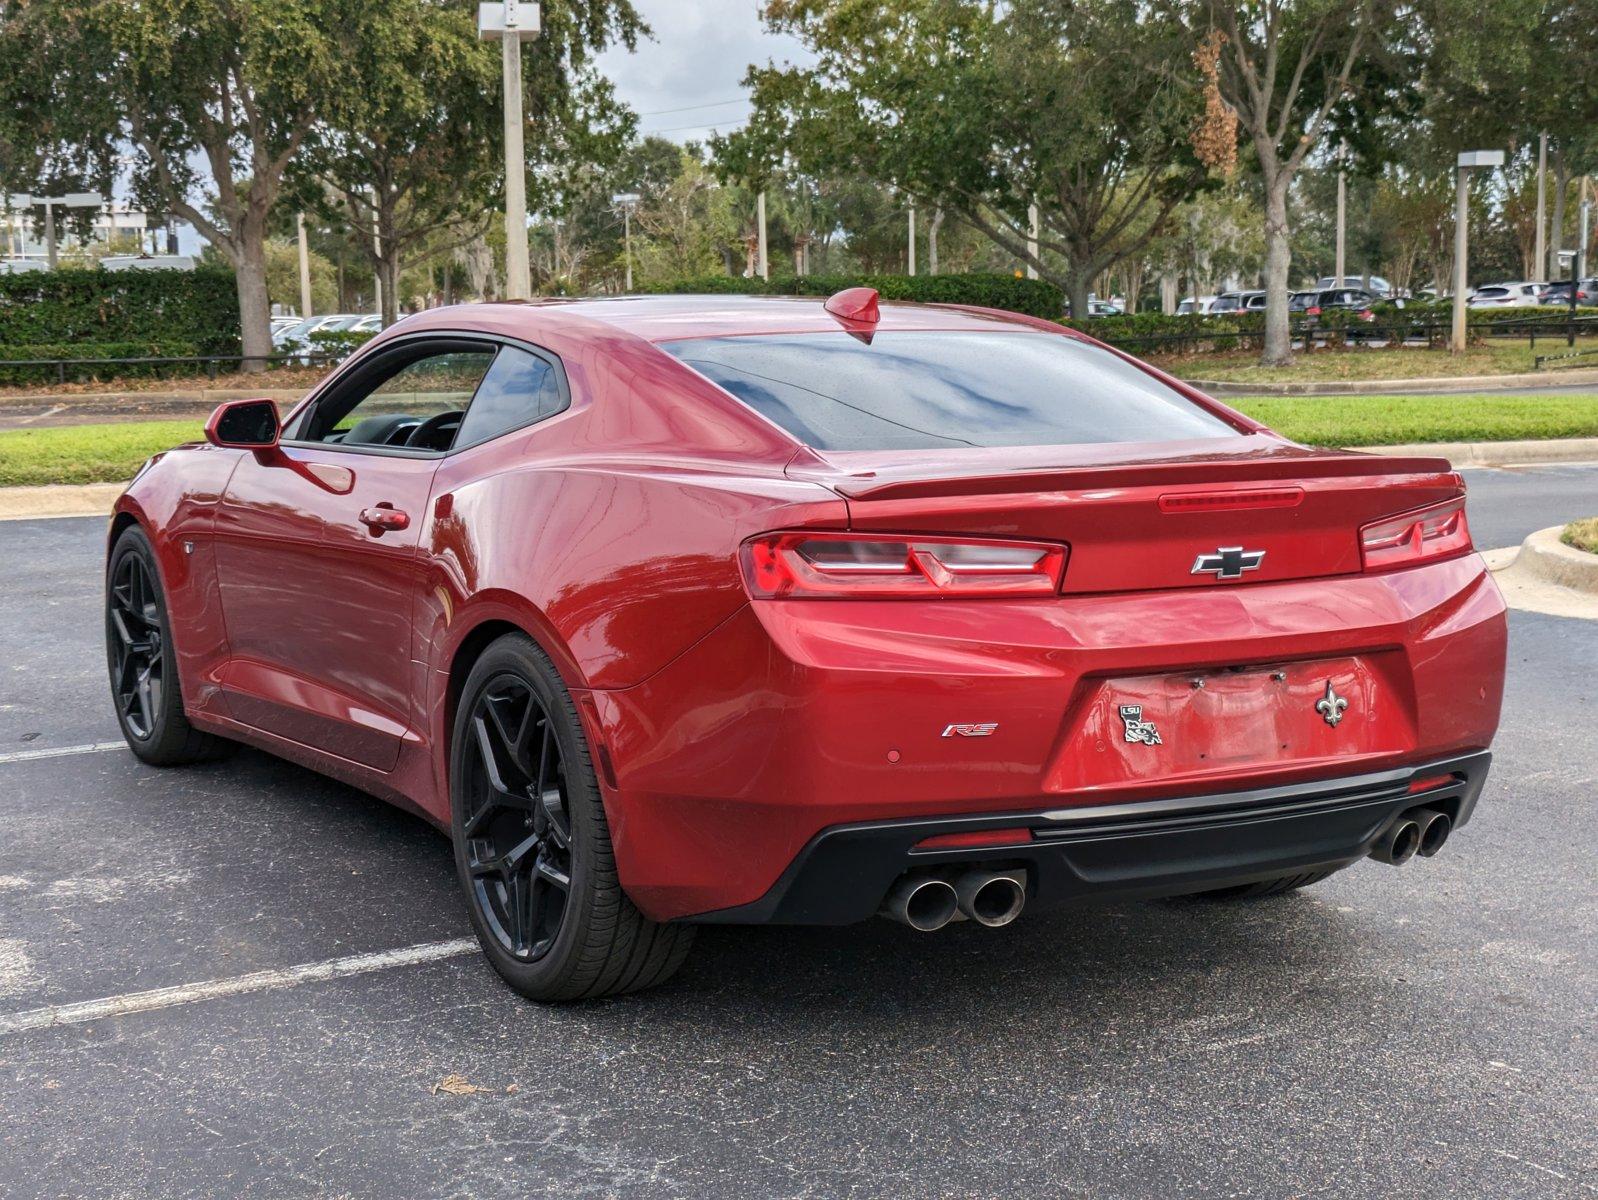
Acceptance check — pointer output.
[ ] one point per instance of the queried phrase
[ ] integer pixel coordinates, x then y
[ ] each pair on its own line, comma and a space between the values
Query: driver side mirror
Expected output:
244, 425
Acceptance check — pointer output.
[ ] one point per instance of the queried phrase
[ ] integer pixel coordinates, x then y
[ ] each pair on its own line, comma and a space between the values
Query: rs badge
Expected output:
983, 729
1137, 729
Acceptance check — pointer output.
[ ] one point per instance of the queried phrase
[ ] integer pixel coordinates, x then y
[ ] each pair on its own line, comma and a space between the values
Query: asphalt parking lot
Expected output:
1426, 1031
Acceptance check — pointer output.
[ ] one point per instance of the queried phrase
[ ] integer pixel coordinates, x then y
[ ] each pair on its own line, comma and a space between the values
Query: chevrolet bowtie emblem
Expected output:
1228, 562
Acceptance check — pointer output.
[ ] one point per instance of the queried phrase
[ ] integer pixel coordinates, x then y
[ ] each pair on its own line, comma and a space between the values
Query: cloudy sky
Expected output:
686, 81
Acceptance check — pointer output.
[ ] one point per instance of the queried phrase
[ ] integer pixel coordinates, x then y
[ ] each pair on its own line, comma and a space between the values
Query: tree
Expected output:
415, 162
985, 109
1284, 68
1500, 74
679, 230
237, 86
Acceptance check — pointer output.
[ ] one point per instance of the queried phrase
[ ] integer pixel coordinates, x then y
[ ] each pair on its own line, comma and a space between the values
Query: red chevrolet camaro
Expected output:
688, 609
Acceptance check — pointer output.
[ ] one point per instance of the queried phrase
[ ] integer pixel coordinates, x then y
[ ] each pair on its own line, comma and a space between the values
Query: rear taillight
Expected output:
1314, 310
1426, 533
871, 566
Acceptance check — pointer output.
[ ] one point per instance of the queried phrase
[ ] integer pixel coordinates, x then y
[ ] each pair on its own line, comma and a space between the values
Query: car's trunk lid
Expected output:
1141, 516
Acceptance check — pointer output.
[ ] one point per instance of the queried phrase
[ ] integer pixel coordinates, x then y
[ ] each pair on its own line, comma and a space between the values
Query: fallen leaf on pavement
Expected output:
457, 1085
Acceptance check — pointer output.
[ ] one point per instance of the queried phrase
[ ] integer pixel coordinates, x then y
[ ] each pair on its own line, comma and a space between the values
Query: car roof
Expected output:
666, 318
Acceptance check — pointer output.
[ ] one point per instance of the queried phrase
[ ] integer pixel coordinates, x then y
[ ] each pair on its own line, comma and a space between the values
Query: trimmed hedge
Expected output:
92, 350
69, 307
339, 342
1031, 296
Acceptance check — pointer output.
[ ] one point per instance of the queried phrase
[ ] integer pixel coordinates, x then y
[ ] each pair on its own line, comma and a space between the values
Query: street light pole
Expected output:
511, 23
1468, 160
912, 256
760, 236
1584, 214
49, 232
1032, 240
70, 200
627, 201
1342, 218
1540, 257
305, 266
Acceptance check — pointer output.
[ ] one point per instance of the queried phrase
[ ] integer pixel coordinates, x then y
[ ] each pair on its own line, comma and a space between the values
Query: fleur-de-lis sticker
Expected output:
1331, 706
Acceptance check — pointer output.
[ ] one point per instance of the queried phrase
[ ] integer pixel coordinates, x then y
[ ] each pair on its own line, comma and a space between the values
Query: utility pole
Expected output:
627, 201
1342, 216
1468, 160
512, 23
911, 258
760, 234
377, 253
1032, 240
1539, 260
305, 267
1584, 213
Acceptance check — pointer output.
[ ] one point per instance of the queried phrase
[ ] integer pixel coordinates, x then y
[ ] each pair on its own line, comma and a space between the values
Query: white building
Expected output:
118, 226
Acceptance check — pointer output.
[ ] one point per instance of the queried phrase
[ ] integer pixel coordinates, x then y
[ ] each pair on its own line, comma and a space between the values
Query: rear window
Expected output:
912, 391
1493, 291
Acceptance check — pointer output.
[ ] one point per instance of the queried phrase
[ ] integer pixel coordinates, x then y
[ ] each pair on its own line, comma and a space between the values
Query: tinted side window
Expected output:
520, 388
410, 394
924, 390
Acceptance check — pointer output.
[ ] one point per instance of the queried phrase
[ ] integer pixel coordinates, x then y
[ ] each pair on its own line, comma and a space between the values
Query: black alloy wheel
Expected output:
532, 844
137, 661
143, 662
517, 831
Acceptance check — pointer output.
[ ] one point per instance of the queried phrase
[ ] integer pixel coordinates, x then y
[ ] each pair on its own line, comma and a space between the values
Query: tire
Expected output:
142, 662
520, 773
1269, 887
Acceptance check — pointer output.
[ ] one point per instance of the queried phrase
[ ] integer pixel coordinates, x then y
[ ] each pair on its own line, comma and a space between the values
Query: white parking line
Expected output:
261, 981
12, 756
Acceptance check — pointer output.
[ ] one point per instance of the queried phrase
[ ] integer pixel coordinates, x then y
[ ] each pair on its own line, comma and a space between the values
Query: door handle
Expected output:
382, 518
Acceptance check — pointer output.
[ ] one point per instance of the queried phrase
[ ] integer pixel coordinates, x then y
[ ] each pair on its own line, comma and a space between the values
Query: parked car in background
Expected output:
1103, 308
1235, 302
297, 338
1559, 292
1520, 294
1312, 304
1194, 306
1376, 285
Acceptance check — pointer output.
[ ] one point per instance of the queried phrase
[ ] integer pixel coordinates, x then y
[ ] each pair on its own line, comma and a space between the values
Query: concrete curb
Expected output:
1499, 454
1549, 559
59, 500
1434, 386
1543, 575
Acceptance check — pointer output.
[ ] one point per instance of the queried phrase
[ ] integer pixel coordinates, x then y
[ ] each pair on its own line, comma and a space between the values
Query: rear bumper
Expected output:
1120, 851
793, 718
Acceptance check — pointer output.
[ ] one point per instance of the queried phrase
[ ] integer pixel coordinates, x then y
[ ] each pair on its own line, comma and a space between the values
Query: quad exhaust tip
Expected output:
1434, 830
929, 902
1420, 831
922, 902
991, 898
1398, 845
